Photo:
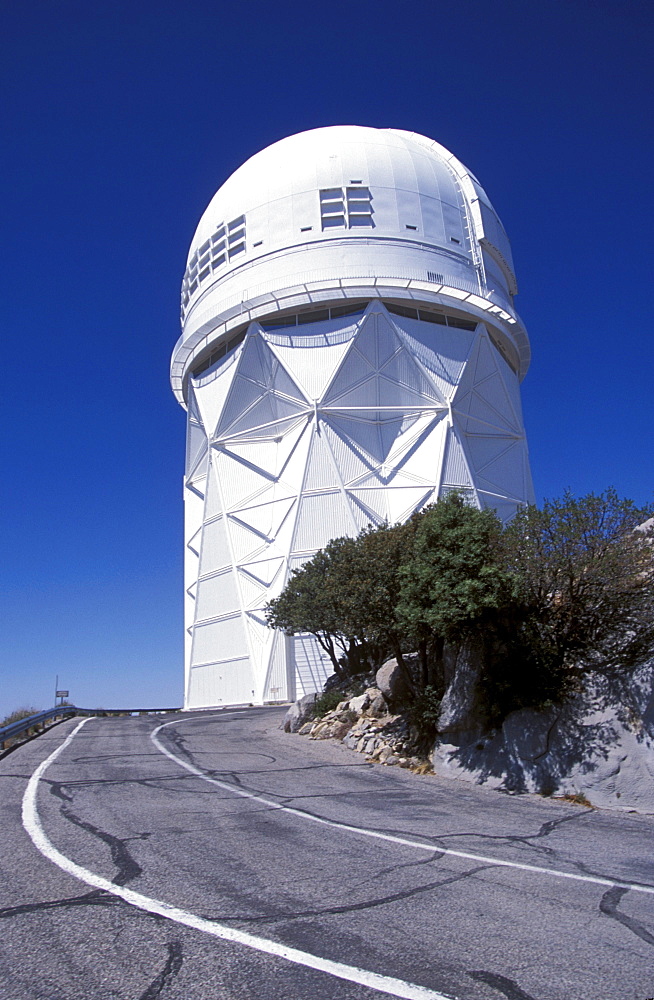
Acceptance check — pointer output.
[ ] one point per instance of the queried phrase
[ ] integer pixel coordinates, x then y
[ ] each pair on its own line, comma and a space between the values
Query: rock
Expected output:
305, 729
360, 704
461, 713
299, 713
378, 707
600, 745
393, 683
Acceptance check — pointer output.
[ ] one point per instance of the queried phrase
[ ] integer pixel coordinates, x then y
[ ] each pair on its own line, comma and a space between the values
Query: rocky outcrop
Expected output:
363, 723
298, 713
393, 684
599, 747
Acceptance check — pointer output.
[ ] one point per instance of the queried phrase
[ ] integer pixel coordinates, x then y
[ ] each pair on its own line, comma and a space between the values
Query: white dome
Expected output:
294, 169
346, 203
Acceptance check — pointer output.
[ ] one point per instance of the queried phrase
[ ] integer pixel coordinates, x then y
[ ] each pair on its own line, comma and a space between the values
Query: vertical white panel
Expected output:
312, 665
226, 637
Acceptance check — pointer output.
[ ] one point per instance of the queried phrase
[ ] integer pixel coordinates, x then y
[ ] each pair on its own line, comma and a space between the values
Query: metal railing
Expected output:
32, 725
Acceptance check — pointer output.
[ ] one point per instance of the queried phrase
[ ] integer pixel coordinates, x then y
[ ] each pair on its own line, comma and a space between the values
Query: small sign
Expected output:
62, 694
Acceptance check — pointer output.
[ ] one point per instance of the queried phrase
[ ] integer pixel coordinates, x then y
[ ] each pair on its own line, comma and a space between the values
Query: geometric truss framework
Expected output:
300, 437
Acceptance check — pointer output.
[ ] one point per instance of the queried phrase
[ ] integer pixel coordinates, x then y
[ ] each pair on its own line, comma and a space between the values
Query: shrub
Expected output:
327, 702
424, 713
18, 714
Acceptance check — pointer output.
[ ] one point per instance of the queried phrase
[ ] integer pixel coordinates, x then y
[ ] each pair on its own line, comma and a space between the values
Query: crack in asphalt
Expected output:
503, 984
609, 907
128, 868
97, 897
169, 971
350, 907
294, 801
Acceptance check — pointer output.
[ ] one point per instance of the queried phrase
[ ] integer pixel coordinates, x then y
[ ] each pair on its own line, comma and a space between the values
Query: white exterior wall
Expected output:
304, 433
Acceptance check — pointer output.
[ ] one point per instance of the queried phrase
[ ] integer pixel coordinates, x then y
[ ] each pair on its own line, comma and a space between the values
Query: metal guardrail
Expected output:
34, 724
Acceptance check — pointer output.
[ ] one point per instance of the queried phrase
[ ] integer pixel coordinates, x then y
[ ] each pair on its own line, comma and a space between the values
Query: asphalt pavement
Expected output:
226, 860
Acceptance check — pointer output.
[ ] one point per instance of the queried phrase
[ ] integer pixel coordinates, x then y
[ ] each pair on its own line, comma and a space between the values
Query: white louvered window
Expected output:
346, 208
332, 208
226, 242
359, 207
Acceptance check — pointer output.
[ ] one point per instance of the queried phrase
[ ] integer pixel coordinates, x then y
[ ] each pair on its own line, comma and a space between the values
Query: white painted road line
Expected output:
350, 973
361, 831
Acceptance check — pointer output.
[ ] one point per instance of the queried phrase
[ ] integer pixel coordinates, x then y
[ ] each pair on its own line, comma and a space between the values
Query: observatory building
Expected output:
350, 351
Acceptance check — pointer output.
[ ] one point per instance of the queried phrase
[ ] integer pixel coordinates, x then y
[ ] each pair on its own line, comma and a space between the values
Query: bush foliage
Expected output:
563, 590
18, 714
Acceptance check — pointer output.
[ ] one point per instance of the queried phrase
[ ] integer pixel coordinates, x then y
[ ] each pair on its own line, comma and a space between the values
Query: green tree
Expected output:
583, 594
346, 597
455, 583
311, 602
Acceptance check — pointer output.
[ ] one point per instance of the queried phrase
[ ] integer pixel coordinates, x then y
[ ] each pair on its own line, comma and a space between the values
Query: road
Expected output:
221, 859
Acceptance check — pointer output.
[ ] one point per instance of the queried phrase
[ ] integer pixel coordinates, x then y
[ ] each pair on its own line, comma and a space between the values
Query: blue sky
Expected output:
120, 120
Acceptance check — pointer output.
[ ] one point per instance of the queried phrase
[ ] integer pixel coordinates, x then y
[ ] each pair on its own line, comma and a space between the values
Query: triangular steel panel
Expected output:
466, 380
252, 593
403, 502
196, 444
351, 460
212, 393
264, 572
197, 476
212, 501
442, 349
246, 544
493, 392
455, 467
505, 510
485, 361
321, 517
270, 454
377, 340
512, 386
258, 364
480, 414
403, 369
260, 377
423, 458
312, 368
215, 553
320, 472
506, 473
355, 368
372, 501
364, 435
265, 411
239, 482
484, 449
265, 432
266, 518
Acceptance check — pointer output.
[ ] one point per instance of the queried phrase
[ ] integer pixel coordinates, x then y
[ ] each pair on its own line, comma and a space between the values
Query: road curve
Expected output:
212, 857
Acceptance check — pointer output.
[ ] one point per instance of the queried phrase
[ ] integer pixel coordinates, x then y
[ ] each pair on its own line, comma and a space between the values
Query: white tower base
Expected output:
308, 432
